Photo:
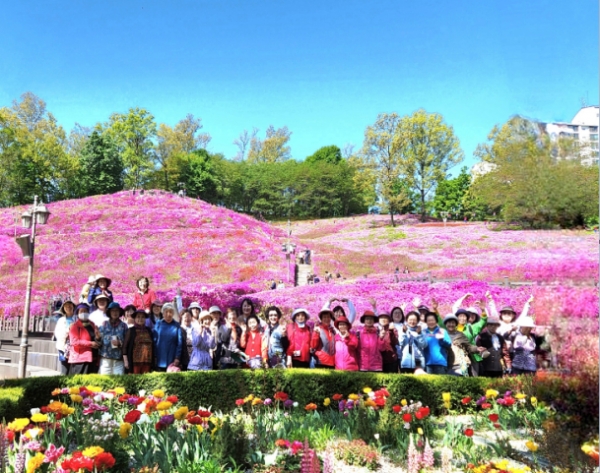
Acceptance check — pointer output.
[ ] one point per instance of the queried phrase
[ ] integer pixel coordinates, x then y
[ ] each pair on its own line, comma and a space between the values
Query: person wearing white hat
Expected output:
204, 339
524, 345
299, 335
101, 286
195, 309
99, 315
85, 290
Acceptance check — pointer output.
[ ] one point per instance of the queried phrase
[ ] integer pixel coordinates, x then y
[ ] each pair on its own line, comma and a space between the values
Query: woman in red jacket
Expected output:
299, 336
252, 343
371, 343
84, 340
323, 341
346, 346
145, 296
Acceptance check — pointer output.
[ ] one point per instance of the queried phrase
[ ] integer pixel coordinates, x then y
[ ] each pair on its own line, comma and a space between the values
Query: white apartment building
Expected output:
583, 129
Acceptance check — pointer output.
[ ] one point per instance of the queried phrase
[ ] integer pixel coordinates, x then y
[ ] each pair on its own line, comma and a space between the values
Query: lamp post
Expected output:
29, 219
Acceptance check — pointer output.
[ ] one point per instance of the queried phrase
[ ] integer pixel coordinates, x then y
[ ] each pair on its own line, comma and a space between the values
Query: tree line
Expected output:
402, 166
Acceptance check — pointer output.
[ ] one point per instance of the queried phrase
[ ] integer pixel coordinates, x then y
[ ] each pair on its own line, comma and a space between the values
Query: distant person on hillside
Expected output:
397, 274
406, 271
280, 285
100, 286
144, 297
273, 284
307, 256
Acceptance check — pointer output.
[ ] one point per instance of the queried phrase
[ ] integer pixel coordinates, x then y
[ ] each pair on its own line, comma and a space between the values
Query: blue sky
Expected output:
324, 69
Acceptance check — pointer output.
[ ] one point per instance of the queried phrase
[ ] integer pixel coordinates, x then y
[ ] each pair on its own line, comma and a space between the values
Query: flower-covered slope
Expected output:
173, 241
368, 245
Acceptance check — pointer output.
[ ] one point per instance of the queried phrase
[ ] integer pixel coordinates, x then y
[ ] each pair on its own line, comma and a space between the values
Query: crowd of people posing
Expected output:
97, 335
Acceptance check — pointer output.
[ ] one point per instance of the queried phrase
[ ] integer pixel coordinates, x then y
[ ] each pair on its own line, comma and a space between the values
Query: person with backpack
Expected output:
411, 344
299, 335
61, 334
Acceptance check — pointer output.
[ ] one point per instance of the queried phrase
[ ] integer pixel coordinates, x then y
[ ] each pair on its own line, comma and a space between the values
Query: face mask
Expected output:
301, 324
83, 316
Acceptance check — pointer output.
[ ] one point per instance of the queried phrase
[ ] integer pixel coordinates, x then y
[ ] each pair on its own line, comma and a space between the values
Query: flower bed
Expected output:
88, 428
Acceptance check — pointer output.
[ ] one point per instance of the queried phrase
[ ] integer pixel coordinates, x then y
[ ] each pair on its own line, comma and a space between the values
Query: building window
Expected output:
584, 128
594, 145
594, 137
594, 129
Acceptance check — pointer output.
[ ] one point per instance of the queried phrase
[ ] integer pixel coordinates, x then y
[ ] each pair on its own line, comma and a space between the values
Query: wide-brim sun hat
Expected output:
205, 314
62, 307
100, 296
100, 276
341, 320
508, 308
423, 307
140, 311
325, 311
91, 279
385, 315
300, 311
450, 317
463, 312
215, 308
368, 313
474, 311
493, 320
526, 322
195, 305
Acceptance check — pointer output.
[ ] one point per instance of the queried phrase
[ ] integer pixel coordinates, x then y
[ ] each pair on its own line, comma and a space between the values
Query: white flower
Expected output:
141, 407
98, 398
35, 411
106, 417
108, 395
142, 392
407, 425
376, 436
295, 404
144, 419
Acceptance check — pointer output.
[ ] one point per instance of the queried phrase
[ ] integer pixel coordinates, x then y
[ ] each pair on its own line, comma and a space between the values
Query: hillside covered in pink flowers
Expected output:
215, 256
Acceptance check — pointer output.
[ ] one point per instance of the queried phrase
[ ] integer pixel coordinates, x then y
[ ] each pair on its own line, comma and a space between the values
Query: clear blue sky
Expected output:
325, 69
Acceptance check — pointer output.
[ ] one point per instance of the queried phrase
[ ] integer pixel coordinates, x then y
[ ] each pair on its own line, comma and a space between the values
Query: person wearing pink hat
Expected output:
346, 346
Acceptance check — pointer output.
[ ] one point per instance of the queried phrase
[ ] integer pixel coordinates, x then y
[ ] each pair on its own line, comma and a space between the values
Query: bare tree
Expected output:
243, 141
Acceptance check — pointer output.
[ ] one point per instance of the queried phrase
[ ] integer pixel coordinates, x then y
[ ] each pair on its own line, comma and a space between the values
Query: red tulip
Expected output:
493, 417
396, 409
469, 432
407, 418
466, 400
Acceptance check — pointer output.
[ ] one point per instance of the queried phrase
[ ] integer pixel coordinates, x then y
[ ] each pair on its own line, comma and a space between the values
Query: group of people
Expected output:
98, 335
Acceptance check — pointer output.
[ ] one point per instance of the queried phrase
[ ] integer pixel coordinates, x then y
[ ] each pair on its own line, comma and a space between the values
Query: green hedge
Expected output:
220, 389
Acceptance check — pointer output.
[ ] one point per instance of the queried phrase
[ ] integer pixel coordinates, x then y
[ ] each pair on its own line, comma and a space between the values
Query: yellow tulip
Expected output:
94, 389
354, 397
326, 401
92, 452
534, 401
74, 391
367, 390
159, 393
76, 398
531, 445
446, 397
404, 402
18, 425
520, 396
420, 431
181, 413
125, 430
164, 405
491, 393
35, 462
39, 418
119, 391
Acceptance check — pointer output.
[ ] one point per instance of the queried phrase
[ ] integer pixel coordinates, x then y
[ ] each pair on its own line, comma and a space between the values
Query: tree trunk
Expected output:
422, 205
392, 215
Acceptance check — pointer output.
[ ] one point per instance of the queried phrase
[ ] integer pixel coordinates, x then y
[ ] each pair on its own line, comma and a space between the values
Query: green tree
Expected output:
273, 149
450, 195
101, 167
34, 158
199, 175
382, 159
427, 148
133, 132
328, 154
530, 182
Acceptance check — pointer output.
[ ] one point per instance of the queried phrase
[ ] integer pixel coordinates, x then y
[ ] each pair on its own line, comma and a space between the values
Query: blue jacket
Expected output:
436, 353
96, 291
168, 343
411, 348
